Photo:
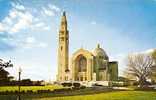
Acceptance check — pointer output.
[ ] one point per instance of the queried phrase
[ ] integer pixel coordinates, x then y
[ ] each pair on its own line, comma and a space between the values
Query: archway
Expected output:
82, 65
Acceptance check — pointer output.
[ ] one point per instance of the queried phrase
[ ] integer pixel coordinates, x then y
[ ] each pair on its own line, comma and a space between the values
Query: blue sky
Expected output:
29, 31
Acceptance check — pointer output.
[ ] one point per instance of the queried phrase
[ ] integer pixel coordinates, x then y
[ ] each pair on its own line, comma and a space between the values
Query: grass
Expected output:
114, 95
25, 88
117, 95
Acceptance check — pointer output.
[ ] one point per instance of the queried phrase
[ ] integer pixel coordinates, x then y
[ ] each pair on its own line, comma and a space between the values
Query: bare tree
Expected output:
4, 78
139, 66
154, 55
154, 66
5, 64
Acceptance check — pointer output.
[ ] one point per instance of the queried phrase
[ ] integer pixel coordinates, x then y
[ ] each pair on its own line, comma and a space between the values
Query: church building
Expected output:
84, 65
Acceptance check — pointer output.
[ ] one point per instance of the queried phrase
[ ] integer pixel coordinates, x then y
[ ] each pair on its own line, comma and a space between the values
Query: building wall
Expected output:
87, 75
100, 68
96, 69
113, 71
102, 75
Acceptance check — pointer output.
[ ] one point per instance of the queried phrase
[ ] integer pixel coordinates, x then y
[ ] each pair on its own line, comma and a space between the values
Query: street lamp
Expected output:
19, 82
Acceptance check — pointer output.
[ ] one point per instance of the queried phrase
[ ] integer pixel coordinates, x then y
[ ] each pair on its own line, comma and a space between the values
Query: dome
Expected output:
99, 52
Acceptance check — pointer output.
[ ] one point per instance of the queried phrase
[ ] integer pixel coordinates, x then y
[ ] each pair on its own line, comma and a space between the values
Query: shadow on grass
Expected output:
87, 91
69, 93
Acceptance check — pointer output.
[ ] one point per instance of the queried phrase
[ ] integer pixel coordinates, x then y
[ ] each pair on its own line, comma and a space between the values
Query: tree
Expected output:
4, 75
139, 66
154, 55
154, 66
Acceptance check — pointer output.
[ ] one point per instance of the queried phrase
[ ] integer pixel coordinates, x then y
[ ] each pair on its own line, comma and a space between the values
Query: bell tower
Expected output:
63, 50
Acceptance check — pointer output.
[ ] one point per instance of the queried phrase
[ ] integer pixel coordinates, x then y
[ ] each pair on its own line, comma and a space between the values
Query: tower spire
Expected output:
63, 50
63, 22
98, 45
64, 13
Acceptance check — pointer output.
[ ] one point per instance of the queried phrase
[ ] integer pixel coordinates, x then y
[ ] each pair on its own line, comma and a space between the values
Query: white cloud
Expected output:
18, 6
30, 40
13, 13
16, 21
7, 20
93, 23
146, 52
48, 12
20, 20
46, 28
149, 51
51, 10
42, 45
41, 24
2, 28
36, 19
54, 7
24, 21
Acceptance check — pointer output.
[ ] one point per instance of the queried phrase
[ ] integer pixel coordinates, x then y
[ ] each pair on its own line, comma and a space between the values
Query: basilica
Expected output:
84, 65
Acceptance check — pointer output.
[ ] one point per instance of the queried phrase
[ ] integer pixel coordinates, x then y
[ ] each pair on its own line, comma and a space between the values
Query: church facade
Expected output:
84, 65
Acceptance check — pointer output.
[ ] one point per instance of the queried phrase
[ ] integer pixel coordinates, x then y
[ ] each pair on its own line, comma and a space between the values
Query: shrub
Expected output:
43, 91
82, 87
16, 91
22, 91
76, 85
62, 90
97, 84
67, 84
145, 88
29, 91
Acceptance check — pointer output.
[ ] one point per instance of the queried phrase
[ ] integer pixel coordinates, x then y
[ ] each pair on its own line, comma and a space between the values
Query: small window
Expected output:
62, 38
66, 78
81, 78
61, 48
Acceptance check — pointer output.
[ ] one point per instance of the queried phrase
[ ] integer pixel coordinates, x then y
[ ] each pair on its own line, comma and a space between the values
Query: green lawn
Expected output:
118, 95
33, 88
115, 95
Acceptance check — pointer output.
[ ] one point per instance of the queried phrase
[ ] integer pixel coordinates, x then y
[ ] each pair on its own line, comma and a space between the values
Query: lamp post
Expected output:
19, 82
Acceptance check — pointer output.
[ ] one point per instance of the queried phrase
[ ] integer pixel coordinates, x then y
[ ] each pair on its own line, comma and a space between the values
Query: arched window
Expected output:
82, 64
